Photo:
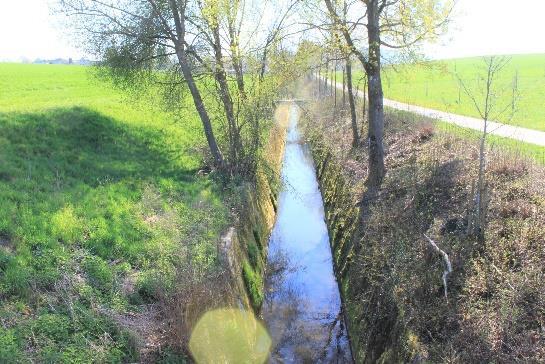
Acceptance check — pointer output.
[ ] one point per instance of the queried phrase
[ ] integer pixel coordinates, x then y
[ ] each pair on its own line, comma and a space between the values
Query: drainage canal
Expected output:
302, 306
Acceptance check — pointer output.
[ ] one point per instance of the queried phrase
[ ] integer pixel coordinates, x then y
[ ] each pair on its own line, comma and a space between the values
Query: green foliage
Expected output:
99, 273
10, 347
55, 327
65, 225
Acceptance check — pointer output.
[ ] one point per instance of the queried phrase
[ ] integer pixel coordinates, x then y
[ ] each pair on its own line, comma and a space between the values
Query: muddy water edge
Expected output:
302, 306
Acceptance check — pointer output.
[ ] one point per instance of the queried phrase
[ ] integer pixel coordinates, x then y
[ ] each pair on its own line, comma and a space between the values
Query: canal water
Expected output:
302, 305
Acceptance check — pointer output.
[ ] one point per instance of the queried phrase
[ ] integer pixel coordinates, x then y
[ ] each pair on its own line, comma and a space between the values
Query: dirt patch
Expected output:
6, 244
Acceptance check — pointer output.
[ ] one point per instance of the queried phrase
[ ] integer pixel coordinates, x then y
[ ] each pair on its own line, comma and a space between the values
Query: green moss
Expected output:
254, 255
254, 285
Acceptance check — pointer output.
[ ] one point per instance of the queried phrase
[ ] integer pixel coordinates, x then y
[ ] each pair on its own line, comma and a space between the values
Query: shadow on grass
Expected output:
88, 171
82, 145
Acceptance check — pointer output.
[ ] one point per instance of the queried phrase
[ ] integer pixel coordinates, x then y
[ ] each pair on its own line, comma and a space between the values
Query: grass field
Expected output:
436, 86
100, 201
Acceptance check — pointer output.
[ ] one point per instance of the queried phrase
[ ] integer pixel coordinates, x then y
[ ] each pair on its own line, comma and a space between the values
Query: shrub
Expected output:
153, 284
9, 346
99, 273
52, 326
15, 278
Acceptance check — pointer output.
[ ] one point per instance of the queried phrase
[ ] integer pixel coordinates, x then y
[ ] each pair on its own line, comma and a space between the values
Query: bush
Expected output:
9, 346
55, 327
149, 287
15, 278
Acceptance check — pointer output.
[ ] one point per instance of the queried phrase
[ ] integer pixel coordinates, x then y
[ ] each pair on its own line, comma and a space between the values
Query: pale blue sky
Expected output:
481, 27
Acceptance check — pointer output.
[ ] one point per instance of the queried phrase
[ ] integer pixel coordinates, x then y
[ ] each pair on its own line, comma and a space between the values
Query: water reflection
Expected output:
302, 307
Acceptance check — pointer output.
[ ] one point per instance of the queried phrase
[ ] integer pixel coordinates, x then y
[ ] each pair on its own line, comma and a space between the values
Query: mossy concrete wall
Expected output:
345, 232
245, 244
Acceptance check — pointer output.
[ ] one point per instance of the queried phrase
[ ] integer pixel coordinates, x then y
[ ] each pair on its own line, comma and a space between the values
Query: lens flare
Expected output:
229, 336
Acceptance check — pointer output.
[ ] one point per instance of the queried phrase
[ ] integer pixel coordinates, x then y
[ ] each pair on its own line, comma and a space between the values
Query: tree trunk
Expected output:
225, 94
201, 110
320, 79
263, 65
344, 87
237, 61
331, 83
376, 106
364, 106
352, 102
335, 83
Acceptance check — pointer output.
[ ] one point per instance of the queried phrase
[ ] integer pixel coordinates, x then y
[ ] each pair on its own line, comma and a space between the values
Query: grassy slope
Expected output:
100, 200
392, 286
434, 85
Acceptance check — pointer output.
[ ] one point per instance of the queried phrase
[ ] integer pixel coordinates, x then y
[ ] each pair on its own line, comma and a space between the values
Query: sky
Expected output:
480, 27
27, 30
488, 27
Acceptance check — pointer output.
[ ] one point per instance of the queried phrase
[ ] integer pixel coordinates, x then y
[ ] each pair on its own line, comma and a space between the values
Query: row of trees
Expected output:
180, 46
360, 29
211, 49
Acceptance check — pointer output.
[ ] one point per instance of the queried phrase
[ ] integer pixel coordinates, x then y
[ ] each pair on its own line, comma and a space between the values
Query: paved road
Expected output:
508, 131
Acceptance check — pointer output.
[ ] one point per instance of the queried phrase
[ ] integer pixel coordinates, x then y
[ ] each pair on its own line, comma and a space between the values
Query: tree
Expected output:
398, 24
491, 102
135, 39
176, 46
352, 101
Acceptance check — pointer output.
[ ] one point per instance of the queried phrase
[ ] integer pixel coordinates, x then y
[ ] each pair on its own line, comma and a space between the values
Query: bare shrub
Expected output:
508, 168
195, 293
424, 132
516, 208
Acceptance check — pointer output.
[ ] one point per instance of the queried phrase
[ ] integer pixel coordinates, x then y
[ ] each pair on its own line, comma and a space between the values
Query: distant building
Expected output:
81, 61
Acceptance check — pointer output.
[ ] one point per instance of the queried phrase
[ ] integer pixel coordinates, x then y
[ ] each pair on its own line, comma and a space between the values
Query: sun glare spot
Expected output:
229, 336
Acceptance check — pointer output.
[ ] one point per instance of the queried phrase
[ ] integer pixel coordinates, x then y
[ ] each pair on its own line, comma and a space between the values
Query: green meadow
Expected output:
435, 85
100, 199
